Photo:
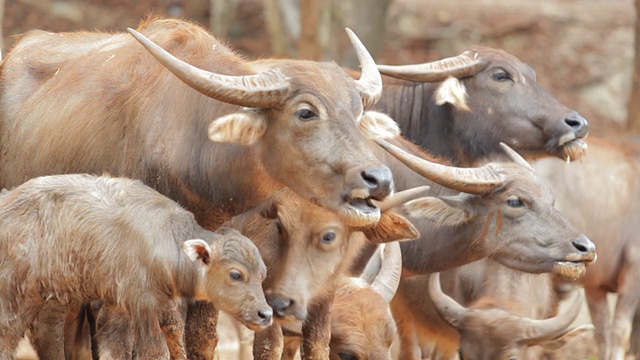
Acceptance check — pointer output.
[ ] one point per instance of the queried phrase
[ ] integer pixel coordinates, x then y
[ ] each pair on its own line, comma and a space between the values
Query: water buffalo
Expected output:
218, 135
600, 196
505, 212
306, 249
67, 239
508, 313
461, 108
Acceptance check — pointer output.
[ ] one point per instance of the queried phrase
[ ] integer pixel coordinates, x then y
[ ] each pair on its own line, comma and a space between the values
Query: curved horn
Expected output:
370, 83
517, 158
373, 266
402, 197
388, 279
478, 181
537, 331
463, 65
259, 91
449, 309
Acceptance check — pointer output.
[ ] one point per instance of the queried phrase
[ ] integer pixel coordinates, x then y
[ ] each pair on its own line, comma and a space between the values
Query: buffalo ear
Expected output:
391, 227
453, 92
244, 127
562, 340
376, 125
198, 251
443, 211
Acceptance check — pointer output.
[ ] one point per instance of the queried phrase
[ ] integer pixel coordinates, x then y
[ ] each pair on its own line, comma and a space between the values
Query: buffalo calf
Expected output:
71, 239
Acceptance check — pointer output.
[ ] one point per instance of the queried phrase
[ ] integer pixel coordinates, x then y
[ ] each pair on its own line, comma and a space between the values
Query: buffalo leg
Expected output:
291, 347
48, 330
268, 344
200, 331
172, 323
628, 298
114, 334
316, 331
599, 310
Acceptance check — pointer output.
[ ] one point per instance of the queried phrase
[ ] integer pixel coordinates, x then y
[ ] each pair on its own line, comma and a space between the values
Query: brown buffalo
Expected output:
68, 239
306, 249
505, 212
362, 326
508, 313
600, 195
218, 135
461, 108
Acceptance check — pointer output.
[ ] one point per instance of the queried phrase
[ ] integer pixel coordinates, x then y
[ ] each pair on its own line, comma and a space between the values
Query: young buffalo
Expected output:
71, 239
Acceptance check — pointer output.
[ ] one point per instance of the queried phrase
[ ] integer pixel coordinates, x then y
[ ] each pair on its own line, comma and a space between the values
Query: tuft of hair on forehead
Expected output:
375, 125
453, 92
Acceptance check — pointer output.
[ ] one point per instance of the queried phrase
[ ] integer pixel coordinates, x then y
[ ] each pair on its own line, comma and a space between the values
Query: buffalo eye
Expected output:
306, 114
515, 202
328, 237
279, 228
501, 76
235, 275
347, 356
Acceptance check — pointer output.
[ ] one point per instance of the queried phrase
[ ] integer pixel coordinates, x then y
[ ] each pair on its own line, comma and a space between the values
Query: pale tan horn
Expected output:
402, 197
478, 181
517, 158
370, 83
388, 279
463, 65
258, 91
449, 309
538, 331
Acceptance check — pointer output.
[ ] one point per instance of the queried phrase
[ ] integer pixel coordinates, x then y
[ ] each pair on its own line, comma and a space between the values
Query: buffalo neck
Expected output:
437, 248
421, 120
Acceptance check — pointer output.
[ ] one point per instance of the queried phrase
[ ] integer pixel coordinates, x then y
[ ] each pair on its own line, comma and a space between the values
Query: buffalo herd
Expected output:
154, 178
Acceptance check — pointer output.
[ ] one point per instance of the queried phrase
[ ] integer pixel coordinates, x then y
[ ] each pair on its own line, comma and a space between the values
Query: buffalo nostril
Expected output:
584, 245
379, 181
576, 122
265, 314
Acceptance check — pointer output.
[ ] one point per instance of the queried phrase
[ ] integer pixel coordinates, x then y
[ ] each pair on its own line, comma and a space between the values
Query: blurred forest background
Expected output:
583, 50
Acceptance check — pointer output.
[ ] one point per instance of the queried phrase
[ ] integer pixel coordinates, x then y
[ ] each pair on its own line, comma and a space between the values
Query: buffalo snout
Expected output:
379, 181
284, 307
578, 124
585, 247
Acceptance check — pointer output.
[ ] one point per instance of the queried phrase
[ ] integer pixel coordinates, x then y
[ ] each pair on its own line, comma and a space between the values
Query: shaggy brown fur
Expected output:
69, 239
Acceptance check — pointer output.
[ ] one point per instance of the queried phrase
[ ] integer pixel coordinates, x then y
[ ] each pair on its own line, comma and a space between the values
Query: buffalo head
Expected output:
494, 97
506, 211
305, 119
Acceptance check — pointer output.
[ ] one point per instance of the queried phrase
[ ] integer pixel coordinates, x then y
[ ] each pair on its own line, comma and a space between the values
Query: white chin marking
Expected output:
354, 217
569, 270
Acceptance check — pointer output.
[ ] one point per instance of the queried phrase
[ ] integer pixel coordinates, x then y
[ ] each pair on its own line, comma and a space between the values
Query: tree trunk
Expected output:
633, 119
221, 14
367, 19
309, 45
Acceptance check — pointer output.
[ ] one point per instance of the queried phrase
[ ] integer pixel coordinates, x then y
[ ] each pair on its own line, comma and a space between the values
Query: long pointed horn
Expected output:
449, 309
370, 82
463, 65
537, 331
388, 279
260, 90
479, 181
402, 197
515, 156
